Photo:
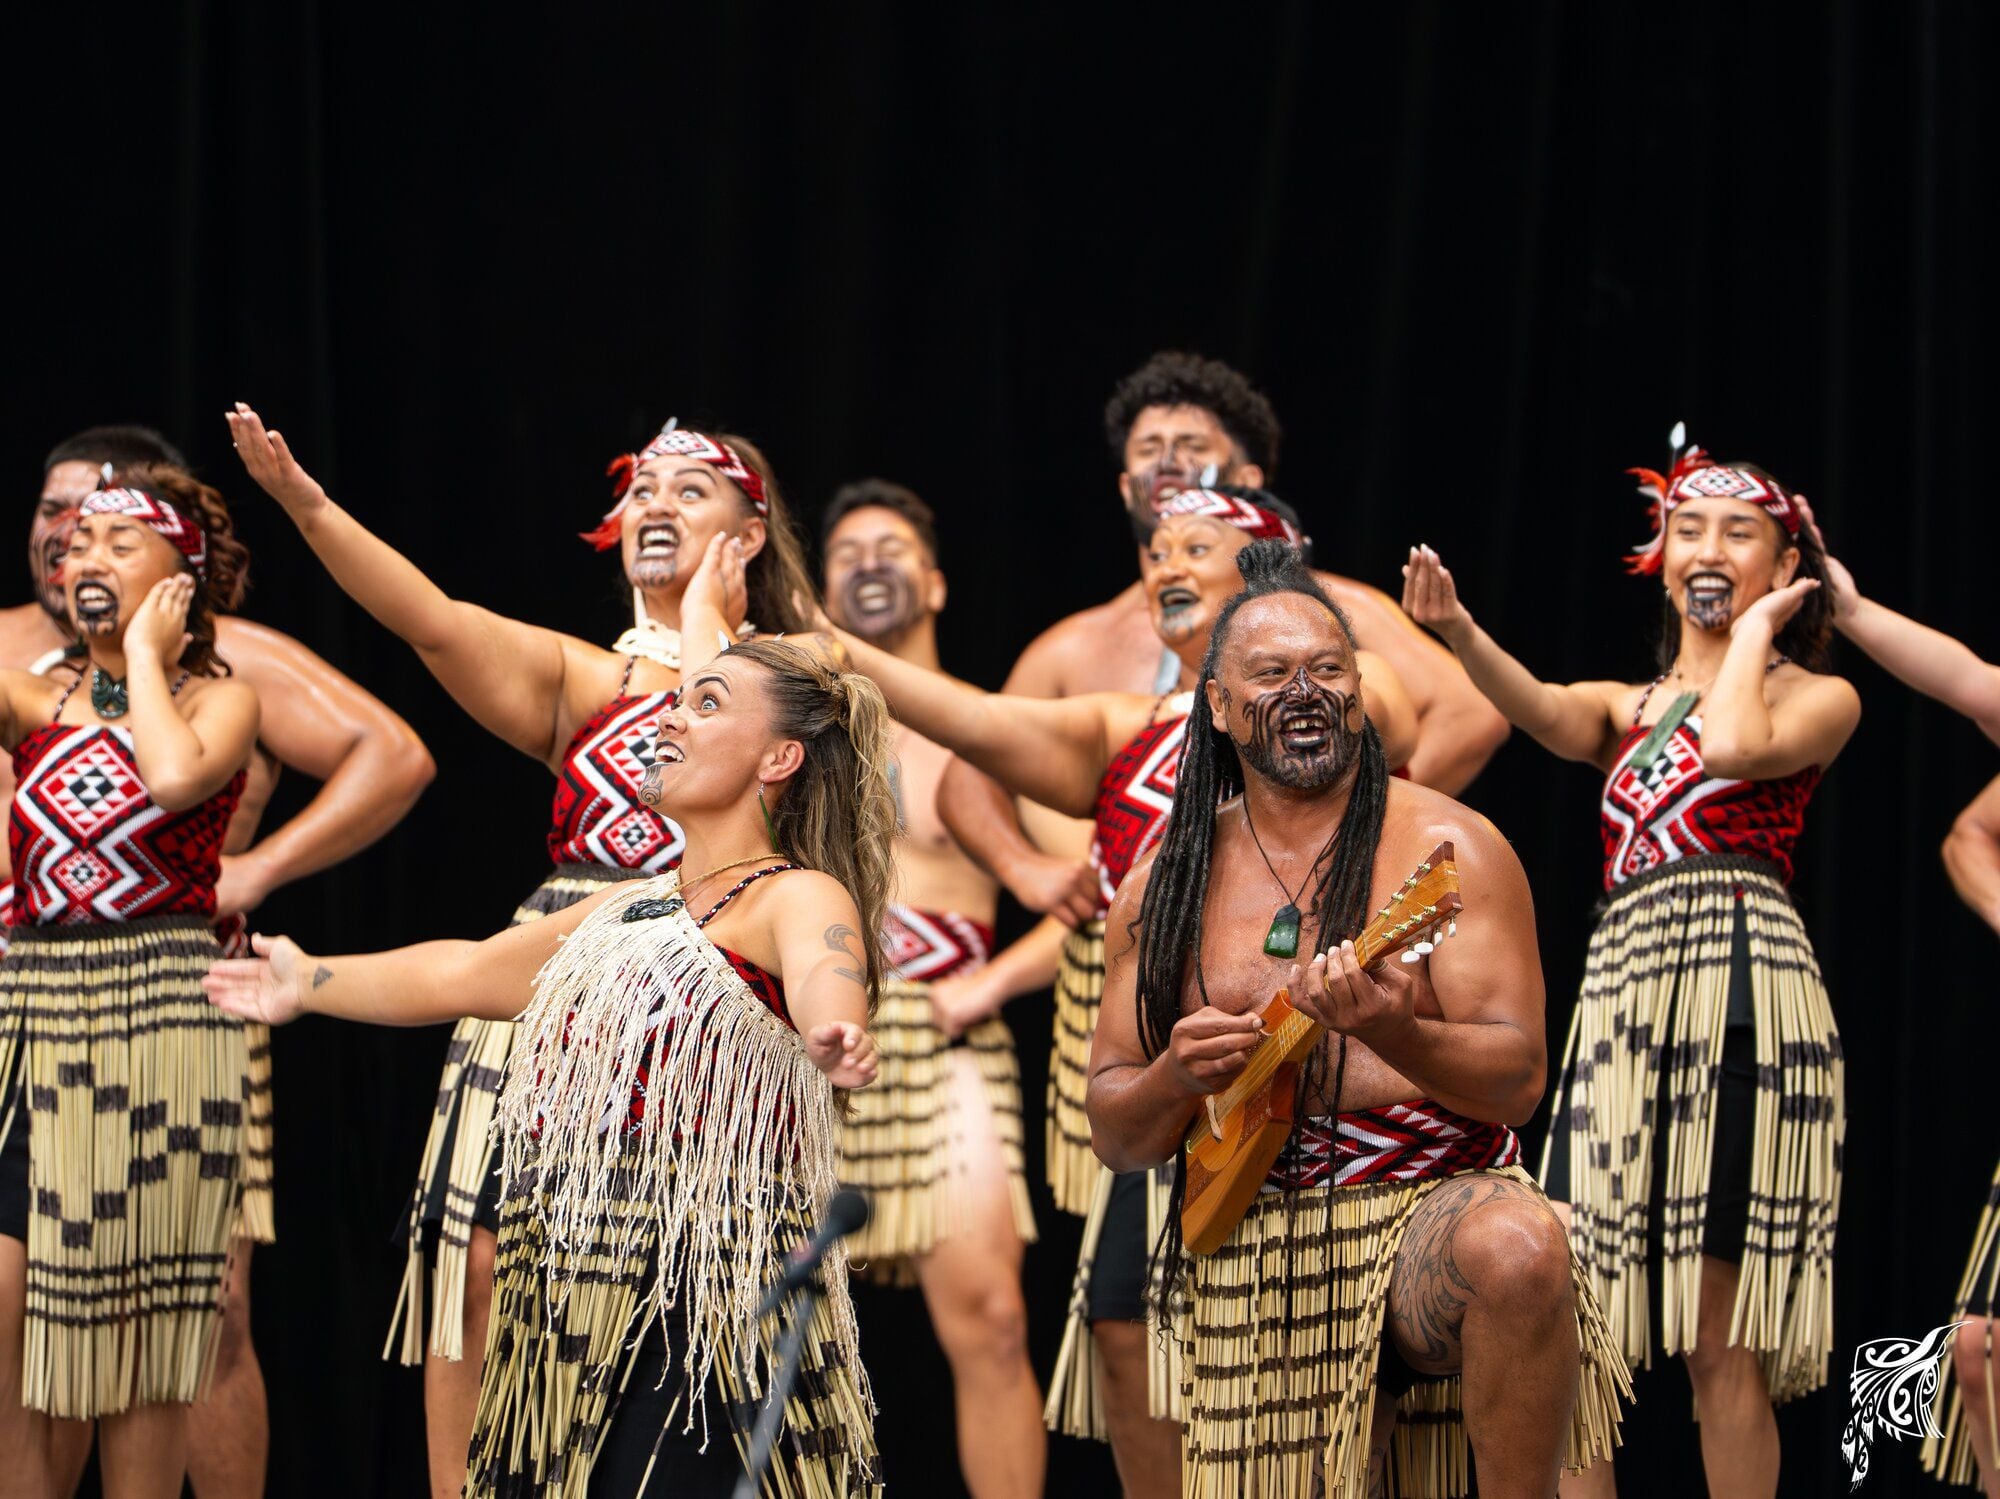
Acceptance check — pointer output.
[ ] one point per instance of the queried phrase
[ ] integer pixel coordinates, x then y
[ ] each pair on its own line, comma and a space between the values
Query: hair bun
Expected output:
1272, 564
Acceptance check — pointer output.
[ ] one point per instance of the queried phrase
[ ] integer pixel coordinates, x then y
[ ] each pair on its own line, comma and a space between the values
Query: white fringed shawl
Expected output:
738, 1124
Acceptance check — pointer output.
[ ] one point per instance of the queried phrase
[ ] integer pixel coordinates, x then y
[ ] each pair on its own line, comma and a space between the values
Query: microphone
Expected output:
847, 1212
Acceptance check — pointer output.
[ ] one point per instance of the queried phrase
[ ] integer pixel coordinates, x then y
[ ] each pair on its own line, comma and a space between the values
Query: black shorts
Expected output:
1727, 1219
647, 1428
1117, 1290
14, 1171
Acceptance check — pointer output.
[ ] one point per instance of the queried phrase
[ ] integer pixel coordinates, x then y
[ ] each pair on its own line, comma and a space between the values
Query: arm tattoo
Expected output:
321, 974
836, 938
649, 785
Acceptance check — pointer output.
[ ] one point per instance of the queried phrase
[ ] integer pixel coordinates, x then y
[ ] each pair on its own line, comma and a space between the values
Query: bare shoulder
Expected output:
1792, 683
1072, 650
26, 635
231, 694
1368, 609
803, 895
1418, 819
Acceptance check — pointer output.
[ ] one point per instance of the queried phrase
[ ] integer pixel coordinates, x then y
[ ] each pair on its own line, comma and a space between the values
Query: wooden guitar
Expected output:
1237, 1136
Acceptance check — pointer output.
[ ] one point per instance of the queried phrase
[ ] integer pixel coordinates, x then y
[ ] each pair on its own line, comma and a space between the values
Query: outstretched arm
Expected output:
1050, 750
1972, 854
320, 722
506, 674
423, 984
1454, 729
1934, 663
1572, 721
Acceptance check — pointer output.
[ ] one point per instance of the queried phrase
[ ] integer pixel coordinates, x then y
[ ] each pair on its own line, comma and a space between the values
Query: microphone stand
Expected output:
791, 1354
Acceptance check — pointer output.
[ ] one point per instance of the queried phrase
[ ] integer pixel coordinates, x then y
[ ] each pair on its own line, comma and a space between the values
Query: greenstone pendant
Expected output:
1282, 941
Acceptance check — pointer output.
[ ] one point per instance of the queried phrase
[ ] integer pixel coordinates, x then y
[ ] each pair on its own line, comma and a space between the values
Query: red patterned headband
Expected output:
1695, 476
1231, 510
187, 537
719, 456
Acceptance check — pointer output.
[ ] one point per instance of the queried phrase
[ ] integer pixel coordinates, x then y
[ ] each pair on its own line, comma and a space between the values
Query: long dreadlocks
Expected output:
1170, 914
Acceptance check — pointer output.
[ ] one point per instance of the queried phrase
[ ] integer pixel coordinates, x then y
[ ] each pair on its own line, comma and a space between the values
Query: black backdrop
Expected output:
1481, 259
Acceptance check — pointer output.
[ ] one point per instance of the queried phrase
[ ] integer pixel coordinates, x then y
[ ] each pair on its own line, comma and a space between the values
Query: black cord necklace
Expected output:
1282, 940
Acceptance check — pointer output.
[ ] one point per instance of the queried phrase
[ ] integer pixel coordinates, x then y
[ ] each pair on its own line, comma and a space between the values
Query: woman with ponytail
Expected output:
1697, 1128
1114, 757
1398, 1271
590, 715
122, 1095
670, 1130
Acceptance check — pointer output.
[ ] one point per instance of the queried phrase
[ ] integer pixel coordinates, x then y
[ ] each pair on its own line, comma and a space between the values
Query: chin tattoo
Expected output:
1331, 717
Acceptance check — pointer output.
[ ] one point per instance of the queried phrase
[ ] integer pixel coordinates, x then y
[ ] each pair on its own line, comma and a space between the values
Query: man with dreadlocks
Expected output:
1397, 1249
1114, 756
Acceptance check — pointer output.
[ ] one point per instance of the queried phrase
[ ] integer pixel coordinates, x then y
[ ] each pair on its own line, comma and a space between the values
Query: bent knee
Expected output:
1519, 1247
991, 1325
1972, 1353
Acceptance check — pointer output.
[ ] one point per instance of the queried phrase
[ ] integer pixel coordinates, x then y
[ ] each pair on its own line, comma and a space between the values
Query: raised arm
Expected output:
1746, 736
1931, 661
184, 760
1455, 730
318, 721
1972, 855
423, 984
506, 674
1572, 721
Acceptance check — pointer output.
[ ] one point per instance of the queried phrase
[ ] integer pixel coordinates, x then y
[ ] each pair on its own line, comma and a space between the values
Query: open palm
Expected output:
267, 988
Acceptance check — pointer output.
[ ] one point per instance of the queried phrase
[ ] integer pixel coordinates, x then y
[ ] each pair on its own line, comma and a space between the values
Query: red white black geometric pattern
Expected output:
1673, 809
1403, 1142
90, 844
1134, 798
597, 817
922, 946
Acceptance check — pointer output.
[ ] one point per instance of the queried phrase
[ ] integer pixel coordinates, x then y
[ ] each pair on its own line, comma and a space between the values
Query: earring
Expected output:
769, 831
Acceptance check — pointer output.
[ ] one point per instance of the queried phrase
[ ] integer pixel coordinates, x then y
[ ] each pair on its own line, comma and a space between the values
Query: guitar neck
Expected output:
1294, 1037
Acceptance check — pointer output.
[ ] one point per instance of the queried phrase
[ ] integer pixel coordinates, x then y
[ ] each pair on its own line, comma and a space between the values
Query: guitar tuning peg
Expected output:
1424, 949
1411, 955
1452, 930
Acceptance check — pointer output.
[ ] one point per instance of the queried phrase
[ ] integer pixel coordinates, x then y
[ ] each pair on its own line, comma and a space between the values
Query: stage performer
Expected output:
1702, 1002
1372, 1259
937, 1142
1170, 423
1946, 669
312, 719
1113, 756
671, 1127
123, 1096
591, 715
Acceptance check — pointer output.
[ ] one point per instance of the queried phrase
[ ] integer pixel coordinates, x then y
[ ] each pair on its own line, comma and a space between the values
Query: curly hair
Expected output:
1174, 378
1806, 635
225, 578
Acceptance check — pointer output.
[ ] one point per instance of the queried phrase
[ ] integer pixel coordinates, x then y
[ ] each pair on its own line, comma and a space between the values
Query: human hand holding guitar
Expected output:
1209, 1048
1374, 1005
